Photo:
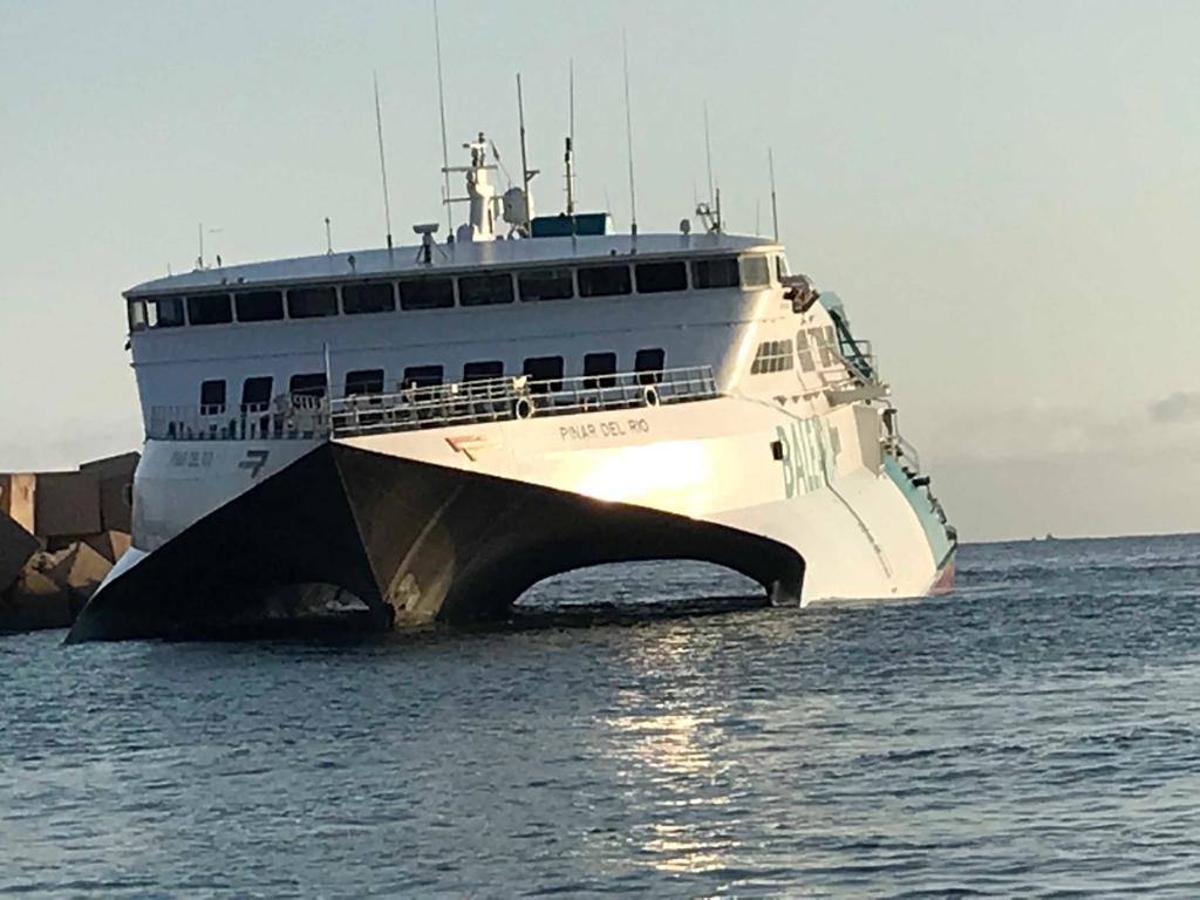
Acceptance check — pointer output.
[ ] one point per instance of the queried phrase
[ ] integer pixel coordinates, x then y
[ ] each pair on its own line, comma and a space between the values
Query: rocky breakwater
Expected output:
60, 534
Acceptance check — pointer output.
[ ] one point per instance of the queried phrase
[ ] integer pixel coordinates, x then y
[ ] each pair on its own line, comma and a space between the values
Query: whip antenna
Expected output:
525, 173
387, 207
437, 43
774, 207
629, 139
708, 155
569, 158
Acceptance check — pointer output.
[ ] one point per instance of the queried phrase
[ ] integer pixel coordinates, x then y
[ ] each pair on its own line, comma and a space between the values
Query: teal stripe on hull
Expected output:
940, 544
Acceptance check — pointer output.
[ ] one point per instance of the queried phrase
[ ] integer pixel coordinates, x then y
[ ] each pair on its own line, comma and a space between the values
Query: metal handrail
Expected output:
432, 406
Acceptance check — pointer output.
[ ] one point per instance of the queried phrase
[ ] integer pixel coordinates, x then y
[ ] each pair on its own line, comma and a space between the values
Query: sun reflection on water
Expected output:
668, 735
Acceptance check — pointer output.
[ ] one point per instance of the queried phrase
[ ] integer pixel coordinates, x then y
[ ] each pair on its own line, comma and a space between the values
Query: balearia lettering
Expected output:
809, 456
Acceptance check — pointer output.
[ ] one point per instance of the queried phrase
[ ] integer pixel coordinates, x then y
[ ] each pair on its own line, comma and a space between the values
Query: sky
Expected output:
1006, 195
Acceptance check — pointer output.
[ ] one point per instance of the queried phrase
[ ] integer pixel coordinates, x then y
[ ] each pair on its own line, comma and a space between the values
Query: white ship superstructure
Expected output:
423, 432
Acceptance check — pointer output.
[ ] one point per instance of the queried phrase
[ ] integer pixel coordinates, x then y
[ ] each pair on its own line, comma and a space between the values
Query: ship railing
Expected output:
515, 397
292, 416
303, 417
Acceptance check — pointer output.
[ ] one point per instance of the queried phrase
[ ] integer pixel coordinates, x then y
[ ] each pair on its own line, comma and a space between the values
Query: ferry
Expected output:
414, 434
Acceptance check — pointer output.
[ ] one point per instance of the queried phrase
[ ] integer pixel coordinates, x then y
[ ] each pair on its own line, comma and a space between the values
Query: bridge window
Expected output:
256, 394
209, 309
484, 290
311, 302
781, 267
308, 385
755, 271
649, 365
422, 376
212, 397
364, 381
427, 293
548, 370
773, 356
715, 273
604, 281
804, 352
600, 370
259, 306
655, 278
137, 315
368, 297
165, 312
481, 371
546, 284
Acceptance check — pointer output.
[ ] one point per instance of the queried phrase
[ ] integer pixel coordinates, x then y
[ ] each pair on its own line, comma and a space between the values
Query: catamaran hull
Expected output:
453, 524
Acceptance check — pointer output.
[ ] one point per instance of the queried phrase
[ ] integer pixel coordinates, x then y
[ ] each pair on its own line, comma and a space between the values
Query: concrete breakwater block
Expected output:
34, 602
52, 587
16, 547
60, 534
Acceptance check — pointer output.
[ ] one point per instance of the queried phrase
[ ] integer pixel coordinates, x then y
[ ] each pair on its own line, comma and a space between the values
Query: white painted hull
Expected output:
830, 498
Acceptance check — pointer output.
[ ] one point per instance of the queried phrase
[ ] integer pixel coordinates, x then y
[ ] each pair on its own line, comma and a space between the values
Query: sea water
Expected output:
1037, 732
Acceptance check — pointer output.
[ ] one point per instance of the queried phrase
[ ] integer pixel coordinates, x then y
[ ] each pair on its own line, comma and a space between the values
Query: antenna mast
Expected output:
774, 207
710, 210
569, 156
387, 207
525, 173
708, 154
437, 43
629, 139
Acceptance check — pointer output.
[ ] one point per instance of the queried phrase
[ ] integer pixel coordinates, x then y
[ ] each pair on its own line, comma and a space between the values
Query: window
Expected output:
259, 306
256, 394
604, 281
649, 365
364, 381
165, 312
781, 268
545, 373
308, 385
715, 273
368, 298
654, 278
480, 371
483, 290
755, 271
804, 352
600, 370
212, 397
312, 302
546, 284
422, 376
137, 315
427, 293
209, 309
773, 356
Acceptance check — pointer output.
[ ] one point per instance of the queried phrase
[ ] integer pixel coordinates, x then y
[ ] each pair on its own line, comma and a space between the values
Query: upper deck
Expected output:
451, 257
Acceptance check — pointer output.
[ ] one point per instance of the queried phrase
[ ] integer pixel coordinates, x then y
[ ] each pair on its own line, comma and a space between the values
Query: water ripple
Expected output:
1036, 734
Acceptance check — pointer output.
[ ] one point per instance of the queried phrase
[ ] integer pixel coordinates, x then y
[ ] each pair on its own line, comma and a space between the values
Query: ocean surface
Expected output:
1036, 733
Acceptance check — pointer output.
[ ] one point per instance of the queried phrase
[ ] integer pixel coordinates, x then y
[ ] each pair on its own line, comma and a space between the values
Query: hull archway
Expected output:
391, 542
